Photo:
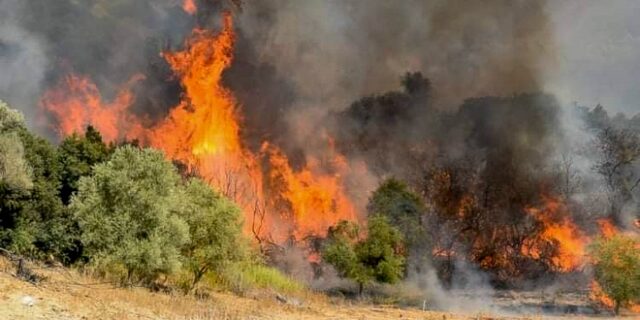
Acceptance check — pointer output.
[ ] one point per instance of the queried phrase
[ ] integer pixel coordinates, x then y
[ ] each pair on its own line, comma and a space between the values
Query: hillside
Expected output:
66, 294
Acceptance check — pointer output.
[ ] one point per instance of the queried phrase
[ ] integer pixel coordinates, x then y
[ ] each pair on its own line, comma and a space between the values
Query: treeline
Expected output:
123, 211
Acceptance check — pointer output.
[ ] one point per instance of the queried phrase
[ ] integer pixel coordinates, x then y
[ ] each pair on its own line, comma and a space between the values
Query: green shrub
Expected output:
378, 257
215, 230
128, 214
617, 268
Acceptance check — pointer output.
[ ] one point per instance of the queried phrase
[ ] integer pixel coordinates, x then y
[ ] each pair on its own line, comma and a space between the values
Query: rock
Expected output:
290, 301
28, 301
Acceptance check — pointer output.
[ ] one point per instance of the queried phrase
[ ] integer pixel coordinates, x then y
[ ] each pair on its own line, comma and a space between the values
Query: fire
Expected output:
203, 131
189, 6
205, 123
560, 230
317, 200
607, 228
76, 102
596, 294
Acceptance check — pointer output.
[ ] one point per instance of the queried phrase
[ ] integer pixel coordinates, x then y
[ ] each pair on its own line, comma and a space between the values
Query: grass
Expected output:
245, 276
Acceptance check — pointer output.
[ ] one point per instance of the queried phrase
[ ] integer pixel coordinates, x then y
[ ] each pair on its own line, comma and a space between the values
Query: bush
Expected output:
378, 257
77, 155
33, 221
215, 229
128, 213
617, 268
404, 210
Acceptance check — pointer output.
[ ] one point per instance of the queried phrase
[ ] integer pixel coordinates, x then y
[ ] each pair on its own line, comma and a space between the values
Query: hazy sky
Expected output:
599, 53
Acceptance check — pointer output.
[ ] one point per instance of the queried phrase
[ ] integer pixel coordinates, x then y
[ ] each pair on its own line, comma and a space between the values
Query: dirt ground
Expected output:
66, 294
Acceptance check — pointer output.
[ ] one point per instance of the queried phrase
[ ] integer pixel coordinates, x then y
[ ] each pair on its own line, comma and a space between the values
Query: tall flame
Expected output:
203, 131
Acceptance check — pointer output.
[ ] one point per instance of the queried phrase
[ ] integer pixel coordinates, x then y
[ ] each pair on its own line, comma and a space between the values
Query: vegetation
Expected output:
77, 155
215, 229
124, 211
404, 209
378, 257
242, 276
617, 268
128, 211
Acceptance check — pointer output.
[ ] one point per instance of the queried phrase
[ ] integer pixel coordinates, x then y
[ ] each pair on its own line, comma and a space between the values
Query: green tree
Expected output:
128, 211
32, 219
215, 228
77, 154
14, 169
617, 268
404, 210
378, 257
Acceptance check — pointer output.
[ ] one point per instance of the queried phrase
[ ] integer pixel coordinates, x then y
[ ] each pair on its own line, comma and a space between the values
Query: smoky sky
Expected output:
298, 60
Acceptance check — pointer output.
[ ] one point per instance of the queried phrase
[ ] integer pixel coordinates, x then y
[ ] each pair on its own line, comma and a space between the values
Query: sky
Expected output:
598, 48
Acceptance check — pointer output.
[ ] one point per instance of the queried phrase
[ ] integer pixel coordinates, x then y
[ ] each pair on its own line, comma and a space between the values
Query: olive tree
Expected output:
128, 212
215, 228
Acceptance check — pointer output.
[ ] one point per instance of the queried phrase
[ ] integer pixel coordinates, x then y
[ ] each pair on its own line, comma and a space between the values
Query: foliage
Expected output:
617, 268
404, 209
77, 155
378, 257
215, 229
14, 170
246, 275
32, 218
128, 212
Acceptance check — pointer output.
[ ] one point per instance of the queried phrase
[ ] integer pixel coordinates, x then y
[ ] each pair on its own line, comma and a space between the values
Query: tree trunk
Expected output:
360, 289
616, 307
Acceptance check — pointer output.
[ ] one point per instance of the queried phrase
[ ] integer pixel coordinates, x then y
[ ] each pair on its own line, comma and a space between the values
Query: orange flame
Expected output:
189, 6
76, 103
558, 229
203, 132
607, 228
597, 294
317, 200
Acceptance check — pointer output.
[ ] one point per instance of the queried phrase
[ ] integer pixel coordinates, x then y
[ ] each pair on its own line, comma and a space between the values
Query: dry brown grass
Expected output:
67, 294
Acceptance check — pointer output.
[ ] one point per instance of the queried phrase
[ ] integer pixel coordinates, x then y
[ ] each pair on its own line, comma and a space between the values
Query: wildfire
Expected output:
558, 229
76, 102
203, 131
317, 200
607, 228
189, 6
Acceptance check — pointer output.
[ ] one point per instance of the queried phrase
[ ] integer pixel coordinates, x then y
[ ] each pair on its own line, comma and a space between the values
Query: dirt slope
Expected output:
65, 294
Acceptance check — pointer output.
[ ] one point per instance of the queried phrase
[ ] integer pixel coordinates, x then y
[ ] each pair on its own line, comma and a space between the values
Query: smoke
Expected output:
336, 51
23, 59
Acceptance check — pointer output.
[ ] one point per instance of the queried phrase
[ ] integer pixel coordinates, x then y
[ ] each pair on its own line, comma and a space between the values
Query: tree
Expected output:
378, 257
32, 219
77, 155
128, 213
14, 169
215, 229
617, 268
404, 210
619, 157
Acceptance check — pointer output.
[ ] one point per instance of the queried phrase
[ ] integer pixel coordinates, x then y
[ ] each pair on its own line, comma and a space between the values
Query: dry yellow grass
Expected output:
66, 294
